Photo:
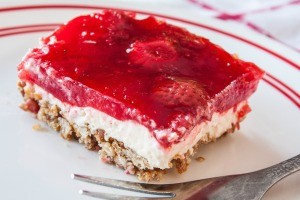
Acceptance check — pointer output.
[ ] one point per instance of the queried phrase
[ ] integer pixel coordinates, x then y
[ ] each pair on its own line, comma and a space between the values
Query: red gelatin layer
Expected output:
145, 70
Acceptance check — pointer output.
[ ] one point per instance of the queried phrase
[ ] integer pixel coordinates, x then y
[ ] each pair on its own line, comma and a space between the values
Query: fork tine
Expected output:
117, 197
125, 185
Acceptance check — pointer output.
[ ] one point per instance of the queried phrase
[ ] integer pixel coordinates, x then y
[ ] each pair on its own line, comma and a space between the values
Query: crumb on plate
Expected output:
200, 159
37, 127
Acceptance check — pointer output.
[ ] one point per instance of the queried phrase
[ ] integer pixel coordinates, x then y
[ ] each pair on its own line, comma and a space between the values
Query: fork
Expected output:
242, 186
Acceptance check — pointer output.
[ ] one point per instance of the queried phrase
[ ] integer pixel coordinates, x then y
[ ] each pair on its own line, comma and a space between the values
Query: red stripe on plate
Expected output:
296, 102
72, 6
19, 32
26, 29
28, 26
284, 85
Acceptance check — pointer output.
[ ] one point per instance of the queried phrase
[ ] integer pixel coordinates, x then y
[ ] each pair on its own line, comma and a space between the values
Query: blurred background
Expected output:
277, 19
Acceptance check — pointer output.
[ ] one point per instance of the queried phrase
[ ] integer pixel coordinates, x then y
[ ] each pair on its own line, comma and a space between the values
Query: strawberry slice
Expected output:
155, 55
151, 24
178, 92
175, 91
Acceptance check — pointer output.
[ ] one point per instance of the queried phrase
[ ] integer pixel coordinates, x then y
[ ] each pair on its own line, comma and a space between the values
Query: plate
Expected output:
38, 164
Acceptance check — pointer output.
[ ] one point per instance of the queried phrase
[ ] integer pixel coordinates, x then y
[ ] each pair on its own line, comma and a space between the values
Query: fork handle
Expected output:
283, 169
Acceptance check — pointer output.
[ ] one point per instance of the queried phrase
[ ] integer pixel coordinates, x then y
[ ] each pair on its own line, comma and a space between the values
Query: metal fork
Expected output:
242, 186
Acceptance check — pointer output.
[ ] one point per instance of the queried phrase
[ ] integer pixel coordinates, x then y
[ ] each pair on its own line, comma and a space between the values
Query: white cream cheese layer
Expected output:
136, 136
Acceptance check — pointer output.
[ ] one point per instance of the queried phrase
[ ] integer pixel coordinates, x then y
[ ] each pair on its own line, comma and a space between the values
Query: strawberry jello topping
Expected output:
145, 70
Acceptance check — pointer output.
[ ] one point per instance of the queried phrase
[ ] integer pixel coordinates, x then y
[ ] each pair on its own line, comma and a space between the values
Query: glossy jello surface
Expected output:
144, 70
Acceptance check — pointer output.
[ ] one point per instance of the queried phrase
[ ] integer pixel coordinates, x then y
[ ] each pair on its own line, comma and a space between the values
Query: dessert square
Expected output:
142, 92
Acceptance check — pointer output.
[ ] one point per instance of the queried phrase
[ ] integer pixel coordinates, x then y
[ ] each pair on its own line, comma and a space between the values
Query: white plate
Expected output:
38, 164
